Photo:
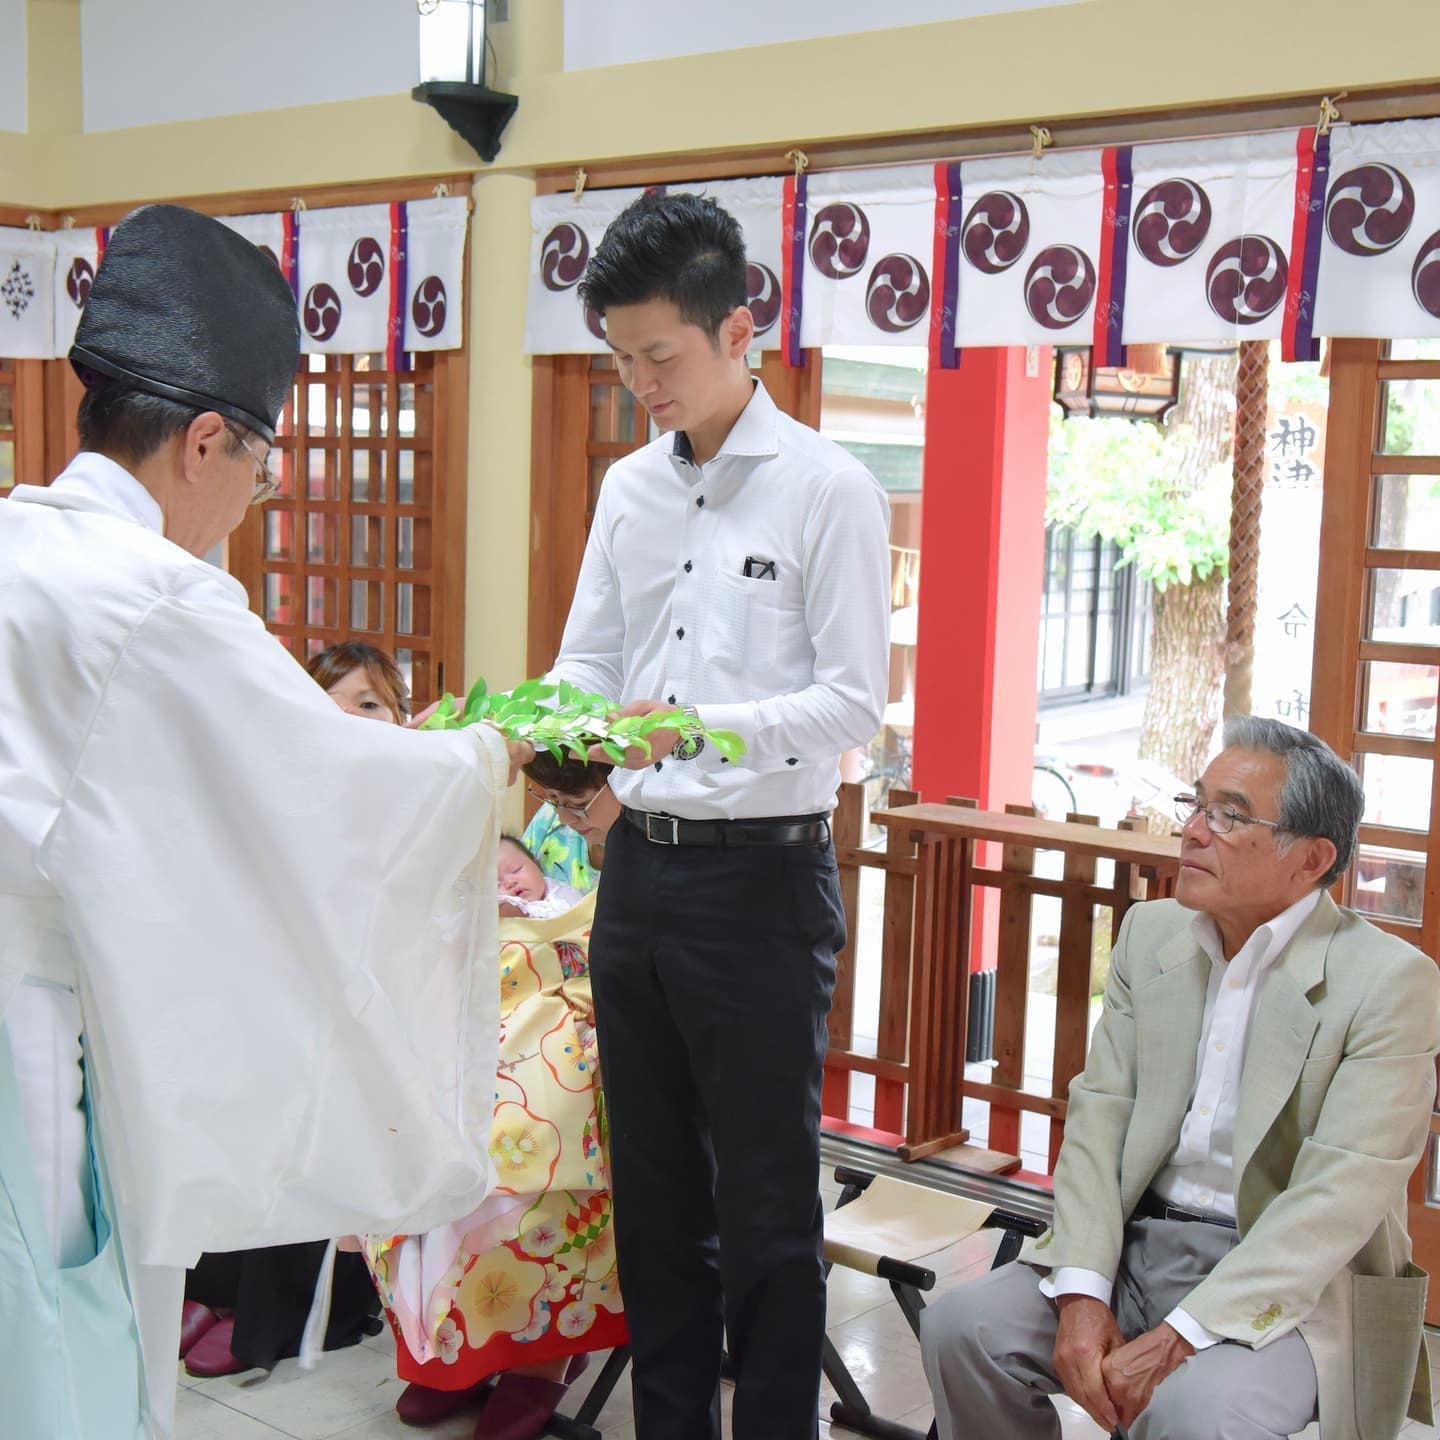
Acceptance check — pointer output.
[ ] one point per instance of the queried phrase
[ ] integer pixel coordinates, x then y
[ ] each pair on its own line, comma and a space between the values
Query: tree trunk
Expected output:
1187, 659
1187, 669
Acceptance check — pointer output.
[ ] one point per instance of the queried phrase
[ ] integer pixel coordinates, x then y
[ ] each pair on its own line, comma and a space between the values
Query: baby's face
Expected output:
518, 874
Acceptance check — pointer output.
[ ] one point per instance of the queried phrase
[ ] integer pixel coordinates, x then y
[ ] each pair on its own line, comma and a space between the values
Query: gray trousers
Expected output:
987, 1348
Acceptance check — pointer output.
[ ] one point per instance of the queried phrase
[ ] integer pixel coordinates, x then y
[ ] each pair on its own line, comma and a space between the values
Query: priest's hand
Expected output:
662, 742
1086, 1335
522, 752
1133, 1371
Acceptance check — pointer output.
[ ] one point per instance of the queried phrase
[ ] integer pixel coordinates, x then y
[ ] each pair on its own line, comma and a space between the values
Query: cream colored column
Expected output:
497, 542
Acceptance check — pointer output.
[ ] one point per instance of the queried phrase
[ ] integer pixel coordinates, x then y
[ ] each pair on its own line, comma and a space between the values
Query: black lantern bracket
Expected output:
476, 113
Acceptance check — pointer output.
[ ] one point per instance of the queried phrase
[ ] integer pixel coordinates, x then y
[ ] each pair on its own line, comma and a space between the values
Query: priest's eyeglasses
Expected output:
268, 484
1220, 819
580, 812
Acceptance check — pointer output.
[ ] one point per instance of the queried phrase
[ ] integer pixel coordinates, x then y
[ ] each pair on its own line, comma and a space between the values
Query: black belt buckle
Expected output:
1152, 1207
673, 838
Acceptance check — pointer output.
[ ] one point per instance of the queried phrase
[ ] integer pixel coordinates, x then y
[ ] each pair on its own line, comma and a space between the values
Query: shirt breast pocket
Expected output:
742, 626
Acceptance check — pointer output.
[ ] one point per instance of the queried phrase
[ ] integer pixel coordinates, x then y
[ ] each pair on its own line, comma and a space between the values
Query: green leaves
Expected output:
564, 720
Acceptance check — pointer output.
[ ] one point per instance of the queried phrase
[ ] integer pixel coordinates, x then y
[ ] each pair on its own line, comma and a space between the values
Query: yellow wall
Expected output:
1099, 56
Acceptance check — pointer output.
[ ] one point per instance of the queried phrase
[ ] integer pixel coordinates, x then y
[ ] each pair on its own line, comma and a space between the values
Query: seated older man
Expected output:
1229, 1249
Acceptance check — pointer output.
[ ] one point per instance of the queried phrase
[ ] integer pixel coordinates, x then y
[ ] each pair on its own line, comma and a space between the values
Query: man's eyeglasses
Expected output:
1220, 819
579, 812
268, 484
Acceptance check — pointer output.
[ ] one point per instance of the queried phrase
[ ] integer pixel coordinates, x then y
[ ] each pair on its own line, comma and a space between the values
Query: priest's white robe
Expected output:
268, 927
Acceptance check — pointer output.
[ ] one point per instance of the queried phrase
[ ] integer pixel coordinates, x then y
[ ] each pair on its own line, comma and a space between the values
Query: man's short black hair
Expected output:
131, 425
682, 248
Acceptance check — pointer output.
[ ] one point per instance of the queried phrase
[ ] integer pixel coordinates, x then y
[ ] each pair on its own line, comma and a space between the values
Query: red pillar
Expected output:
982, 537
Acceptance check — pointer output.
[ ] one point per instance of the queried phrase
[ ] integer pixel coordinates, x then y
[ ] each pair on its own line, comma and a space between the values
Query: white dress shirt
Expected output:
796, 659
1200, 1175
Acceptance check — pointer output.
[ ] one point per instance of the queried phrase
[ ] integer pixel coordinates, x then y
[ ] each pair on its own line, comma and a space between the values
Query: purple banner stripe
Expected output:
794, 352
1119, 255
292, 234
1307, 347
402, 288
950, 281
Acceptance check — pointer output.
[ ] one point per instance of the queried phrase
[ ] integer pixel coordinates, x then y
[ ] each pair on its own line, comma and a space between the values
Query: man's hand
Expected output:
1086, 1335
1133, 1371
662, 742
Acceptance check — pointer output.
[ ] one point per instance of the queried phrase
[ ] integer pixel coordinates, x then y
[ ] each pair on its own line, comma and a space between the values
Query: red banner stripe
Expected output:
1295, 277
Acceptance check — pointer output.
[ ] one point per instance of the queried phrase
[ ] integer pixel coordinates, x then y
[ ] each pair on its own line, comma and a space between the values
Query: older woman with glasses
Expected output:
577, 809
526, 1287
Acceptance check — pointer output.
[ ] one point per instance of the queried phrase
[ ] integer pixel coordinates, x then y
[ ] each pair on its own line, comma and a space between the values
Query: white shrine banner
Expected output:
77, 257
869, 249
1211, 240
276, 235
345, 279
564, 232
27, 294
1379, 272
759, 207
1029, 250
377, 278
431, 276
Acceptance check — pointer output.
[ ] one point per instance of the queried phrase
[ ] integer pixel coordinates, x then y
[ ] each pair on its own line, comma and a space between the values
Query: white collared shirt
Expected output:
794, 656
1200, 1175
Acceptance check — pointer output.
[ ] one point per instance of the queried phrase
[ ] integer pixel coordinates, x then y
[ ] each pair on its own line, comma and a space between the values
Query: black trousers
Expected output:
270, 1291
712, 971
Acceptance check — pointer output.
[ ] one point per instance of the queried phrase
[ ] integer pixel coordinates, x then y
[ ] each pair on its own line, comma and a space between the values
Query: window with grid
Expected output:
22, 424
1376, 687
7, 425
1378, 622
364, 540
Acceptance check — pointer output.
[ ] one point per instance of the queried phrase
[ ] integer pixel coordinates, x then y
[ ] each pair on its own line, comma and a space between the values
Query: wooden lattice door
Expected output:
1376, 687
365, 540
22, 424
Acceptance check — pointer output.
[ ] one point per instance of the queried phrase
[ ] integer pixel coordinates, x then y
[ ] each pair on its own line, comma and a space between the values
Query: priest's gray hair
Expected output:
1321, 795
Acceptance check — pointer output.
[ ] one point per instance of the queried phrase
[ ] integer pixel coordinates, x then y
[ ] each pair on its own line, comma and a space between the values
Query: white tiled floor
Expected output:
352, 1393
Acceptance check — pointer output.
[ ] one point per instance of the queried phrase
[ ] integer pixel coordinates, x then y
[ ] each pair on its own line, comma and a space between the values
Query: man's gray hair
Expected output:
1321, 796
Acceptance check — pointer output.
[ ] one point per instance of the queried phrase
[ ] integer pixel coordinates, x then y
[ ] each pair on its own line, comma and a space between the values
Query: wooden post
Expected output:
896, 948
1072, 981
1012, 987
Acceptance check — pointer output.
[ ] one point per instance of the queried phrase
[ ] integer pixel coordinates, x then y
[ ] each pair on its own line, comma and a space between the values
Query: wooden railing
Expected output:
934, 879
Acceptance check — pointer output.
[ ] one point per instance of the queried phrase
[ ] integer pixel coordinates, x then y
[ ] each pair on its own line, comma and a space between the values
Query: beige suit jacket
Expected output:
1336, 1095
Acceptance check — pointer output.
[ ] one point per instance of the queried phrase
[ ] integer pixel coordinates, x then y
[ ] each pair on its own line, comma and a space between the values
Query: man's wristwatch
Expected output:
690, 748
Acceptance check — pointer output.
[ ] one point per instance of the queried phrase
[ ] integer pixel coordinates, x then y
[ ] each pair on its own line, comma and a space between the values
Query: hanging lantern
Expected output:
1146, 389
452, 73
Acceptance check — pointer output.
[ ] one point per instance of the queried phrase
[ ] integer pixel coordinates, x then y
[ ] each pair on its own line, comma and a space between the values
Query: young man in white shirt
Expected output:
738, 567
1229, 1249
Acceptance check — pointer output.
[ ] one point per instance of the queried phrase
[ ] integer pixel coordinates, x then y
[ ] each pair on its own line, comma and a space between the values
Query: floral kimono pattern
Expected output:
562, 853
531, 1275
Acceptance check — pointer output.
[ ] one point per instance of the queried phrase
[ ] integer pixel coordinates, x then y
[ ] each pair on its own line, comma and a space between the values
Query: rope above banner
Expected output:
369, 279
1290, 235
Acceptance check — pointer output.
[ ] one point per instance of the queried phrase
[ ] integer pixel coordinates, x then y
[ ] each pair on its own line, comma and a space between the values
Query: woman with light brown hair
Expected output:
362, 680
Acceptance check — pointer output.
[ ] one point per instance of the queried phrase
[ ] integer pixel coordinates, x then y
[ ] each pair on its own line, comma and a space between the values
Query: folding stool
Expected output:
883, 1234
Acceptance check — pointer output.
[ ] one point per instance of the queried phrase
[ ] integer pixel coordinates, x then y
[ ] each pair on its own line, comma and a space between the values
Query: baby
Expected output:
524, 890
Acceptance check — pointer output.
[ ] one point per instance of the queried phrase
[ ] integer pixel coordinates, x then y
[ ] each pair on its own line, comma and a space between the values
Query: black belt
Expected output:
1152, 1207
777, 830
